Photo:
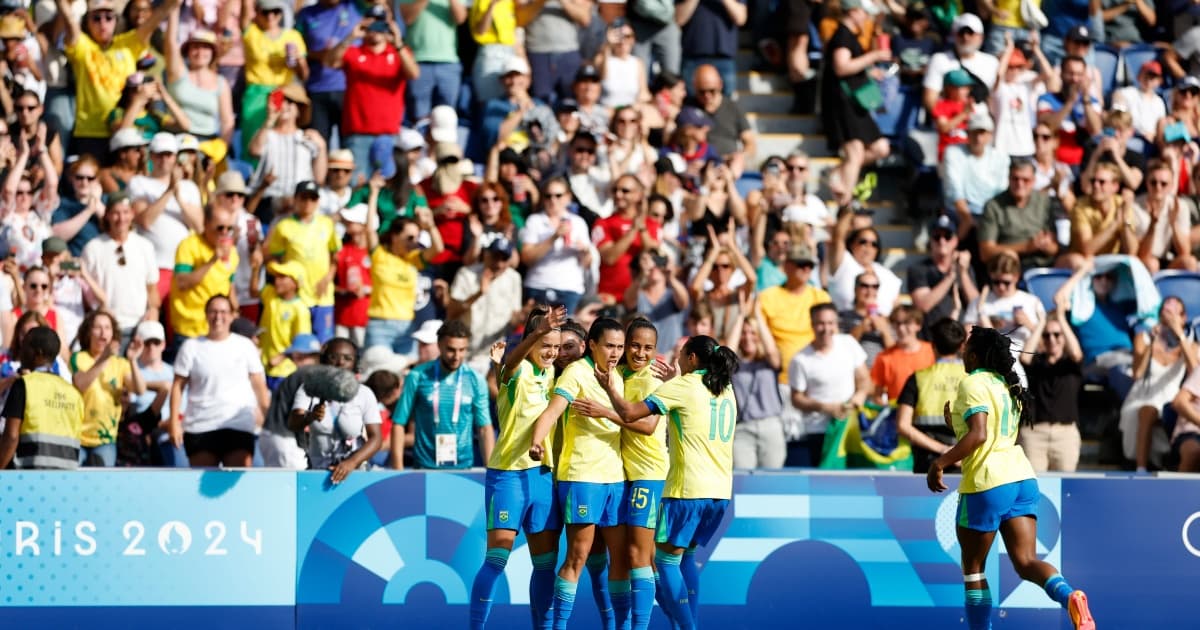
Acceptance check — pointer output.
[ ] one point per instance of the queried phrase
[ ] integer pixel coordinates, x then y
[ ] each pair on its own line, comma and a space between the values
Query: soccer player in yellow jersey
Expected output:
518, 491
591, 479
998, 490
702, 411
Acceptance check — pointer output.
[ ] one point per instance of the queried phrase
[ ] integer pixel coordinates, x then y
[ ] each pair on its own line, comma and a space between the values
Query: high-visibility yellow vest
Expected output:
52, 425
936, 384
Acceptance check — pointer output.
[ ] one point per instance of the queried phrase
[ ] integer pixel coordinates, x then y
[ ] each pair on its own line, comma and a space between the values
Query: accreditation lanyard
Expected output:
437, 385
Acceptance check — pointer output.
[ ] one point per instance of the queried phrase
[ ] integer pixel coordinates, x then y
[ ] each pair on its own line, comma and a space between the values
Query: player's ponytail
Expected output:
718, 363
994, 352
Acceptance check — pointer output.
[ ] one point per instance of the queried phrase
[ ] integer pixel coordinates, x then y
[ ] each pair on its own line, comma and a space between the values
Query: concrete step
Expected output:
768, 122
769, 102
898, 260
893, 235
745, 59
762, 82
784, 143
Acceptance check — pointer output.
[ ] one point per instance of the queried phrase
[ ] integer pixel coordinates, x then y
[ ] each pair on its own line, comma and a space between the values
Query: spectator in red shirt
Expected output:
621, 237
449, 195
952, 110
376, 74
353, 280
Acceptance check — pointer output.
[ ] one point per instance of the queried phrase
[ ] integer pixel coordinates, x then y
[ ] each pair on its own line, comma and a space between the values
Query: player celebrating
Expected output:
591, 480
998, 489
519, 492
700, 476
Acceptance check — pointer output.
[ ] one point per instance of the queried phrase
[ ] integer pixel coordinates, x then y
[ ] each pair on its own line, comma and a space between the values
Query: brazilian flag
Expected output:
867, 439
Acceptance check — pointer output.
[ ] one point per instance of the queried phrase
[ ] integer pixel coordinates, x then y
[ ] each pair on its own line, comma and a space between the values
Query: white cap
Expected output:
355, 214
164, 142
980, 121
342, 158
428, 331
188, 142
125, 138
443, 124
516, 64
967, 20
151, 330
377, 358
677, 162
409, 139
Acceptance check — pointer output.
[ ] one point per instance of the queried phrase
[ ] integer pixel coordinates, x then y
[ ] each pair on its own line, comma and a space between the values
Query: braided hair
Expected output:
993, 350
718, 363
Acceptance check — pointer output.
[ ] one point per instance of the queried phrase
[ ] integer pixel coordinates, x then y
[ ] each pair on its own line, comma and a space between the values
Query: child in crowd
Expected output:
284, 316
353, 279
952, 110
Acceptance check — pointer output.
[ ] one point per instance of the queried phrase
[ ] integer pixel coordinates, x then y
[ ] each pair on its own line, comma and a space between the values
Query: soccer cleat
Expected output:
1077, 607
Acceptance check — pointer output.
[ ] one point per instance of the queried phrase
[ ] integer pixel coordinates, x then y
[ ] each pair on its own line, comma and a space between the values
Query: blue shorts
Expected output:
586, 503
521, 499
687, 523
641, 505
984, 511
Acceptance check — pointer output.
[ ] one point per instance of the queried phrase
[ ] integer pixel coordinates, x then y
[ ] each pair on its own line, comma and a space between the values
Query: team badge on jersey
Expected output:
582, 511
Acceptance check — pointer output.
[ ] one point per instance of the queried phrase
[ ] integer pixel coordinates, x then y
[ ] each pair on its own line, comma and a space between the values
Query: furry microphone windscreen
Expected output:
325, 382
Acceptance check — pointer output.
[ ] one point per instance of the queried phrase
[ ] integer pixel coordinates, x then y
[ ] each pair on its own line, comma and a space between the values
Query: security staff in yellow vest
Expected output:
919, 411
44, 413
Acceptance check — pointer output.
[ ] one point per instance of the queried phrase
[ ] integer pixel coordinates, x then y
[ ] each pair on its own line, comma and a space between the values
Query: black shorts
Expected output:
799, 17
220, 442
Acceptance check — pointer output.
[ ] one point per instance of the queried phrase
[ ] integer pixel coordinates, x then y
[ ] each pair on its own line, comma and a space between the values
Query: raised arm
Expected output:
541, 428
551, 322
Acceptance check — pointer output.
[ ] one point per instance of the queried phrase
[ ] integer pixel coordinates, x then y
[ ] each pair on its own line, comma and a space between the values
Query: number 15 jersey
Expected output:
701, 437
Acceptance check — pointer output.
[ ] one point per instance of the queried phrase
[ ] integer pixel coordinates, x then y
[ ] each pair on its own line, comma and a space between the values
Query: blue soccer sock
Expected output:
485, 585
597, 568
564, 602
675, 592
979, 608
622, 601
541, 590
642, 585
1058, 589
691, 577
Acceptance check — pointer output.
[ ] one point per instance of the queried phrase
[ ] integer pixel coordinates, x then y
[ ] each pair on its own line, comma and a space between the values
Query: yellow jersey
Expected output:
311, 244
645, 456
102, 399
266, 58
591, 448
523, 397
394, 284
786, 316
100, 75
187, 307
504, 22
281, 321
701, 443
999, 460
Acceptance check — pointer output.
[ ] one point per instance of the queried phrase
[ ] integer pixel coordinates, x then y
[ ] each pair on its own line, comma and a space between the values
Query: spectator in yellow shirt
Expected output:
204, 267
493, 24
275, 56
284, 319
104, 378
395, 265
309, 239
785, 309
102, 61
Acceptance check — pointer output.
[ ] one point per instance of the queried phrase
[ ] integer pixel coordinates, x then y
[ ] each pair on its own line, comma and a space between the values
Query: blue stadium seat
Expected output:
1108, 61
747, 182
244, 168
1044, 283
902, 104
1184, 285
1133, 57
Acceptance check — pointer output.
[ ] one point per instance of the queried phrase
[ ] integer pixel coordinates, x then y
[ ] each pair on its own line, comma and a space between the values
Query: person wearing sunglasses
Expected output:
205, 264
1142, 100
1003, 306
1053, 362
1073, 110
1051, 175
851, 252
863, 321
968, 33
122, 264
1112, 147
1102, 222
166, 205
1020, 220
1182, 122
943, 283
95, 50
1163, 222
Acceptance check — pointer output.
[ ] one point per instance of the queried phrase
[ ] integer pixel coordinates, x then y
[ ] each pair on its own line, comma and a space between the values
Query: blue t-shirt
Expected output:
416, 404
143, 402
68, 208
1107, 329
325, 27
1065, 15
710, 32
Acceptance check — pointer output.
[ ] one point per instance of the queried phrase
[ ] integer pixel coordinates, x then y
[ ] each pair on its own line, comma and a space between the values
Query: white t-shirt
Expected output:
591, 189
1164, 232
69, 305
488, 316
125, 285
169, 229
825, 377
1015, 107
559, 269
980, 64
1146, 110
841, 285
219, 392
247, 224
342, 430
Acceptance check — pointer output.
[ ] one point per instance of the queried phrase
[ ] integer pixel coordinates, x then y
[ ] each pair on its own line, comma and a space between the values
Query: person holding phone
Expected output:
275, 57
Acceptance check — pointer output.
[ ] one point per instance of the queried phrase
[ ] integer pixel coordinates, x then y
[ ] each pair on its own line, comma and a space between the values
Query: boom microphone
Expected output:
327, 383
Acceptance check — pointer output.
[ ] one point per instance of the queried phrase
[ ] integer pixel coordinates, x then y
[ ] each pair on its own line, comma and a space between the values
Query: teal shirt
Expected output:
416, 405
433, 37
770, 275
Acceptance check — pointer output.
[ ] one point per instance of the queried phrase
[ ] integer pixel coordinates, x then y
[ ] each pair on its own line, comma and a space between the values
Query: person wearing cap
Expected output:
105, 378
589, 180
128, 150
586, 88
1073, 111
123, 266
426, 340
487, 297
1142, 100
352, 284
166, 206
204, 96
266, 42
1164, 221
967, 32
105, 59
709, 35
973, 173
151, 408
23, 225
952, 110
283, 150
514, 116
284, 318
27, 105
396, 265
1014, 97
934, 281
324, 24
1078, 43
310, 239
337, 190
785, 308
690, 139
731, 136
278, 443
205, 263
377, 72
432, 35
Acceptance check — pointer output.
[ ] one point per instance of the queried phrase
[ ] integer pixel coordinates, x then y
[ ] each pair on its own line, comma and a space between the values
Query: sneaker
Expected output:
1077, 607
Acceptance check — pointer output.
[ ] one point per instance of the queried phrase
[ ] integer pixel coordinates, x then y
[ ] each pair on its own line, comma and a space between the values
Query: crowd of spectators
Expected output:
202, 199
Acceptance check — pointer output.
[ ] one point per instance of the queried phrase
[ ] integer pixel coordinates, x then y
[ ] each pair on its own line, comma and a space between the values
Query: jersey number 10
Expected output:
721, 420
